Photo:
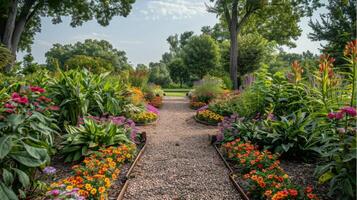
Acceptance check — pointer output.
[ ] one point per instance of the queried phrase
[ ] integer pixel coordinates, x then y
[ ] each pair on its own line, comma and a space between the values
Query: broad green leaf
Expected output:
7, 177
5, 145
24, 158
23, 177
326, 177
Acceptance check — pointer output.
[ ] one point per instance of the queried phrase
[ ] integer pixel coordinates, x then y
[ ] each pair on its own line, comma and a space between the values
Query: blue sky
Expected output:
142, 35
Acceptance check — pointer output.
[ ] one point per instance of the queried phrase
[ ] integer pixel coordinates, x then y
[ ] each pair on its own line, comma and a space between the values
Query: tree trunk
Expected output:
10, 25
234, 45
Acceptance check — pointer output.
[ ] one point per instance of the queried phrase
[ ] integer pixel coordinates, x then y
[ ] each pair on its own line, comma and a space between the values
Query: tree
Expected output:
201, 55
97, 52
159, 74
253, 52
178, 71
20, 20
237, 13
337, 27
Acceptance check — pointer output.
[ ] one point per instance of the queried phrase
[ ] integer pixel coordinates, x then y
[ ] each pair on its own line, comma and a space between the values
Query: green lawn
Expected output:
176, 92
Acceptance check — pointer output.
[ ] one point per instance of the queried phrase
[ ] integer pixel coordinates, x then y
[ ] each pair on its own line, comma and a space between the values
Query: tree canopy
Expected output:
337, 27
20, 20
201, 55
99, 55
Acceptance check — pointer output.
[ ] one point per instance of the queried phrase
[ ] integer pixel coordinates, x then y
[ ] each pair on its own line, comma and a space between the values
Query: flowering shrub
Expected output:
209, 116
144, 117
27, 129
262, 172
94, 176
197, 104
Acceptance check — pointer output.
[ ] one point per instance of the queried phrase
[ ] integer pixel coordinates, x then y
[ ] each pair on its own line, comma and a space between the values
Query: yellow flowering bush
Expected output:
209, 116
94, 176
144, 117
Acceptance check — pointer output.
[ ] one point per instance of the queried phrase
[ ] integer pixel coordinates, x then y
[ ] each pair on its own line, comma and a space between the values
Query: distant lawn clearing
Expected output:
176, 92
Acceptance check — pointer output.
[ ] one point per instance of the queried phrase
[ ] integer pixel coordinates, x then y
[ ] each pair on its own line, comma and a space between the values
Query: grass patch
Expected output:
175, 94
177, 90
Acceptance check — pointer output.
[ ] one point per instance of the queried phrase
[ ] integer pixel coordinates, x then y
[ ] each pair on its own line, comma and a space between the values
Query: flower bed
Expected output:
144, 118
93, 178
260, 174
209, 117
197, 104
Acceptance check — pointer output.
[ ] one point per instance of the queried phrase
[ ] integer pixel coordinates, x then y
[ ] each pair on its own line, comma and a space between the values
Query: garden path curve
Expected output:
179, 162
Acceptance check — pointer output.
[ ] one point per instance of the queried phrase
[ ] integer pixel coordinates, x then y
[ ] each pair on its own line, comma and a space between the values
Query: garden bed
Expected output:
117, 188
299, 173
204, 122
147, 124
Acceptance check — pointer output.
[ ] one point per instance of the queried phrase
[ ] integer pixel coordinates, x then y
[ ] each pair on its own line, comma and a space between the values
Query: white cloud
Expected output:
173, 9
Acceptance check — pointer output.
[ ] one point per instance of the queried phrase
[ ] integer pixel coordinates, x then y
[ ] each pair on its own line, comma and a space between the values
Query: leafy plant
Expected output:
91, 135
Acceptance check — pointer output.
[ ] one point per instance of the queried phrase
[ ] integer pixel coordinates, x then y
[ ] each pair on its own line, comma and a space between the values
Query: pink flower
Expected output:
15, 95
23, 100
351, 111
331, 115
54, 108
36, 103
37, 89
339, 115
9, 111
8, 105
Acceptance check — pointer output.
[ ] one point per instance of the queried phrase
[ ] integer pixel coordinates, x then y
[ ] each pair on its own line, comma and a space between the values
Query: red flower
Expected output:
308, 189
293, 192
260, 166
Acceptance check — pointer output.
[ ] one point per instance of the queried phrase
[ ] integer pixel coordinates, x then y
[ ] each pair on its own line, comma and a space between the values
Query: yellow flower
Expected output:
93, 191
69, 188
88, 187
286, 176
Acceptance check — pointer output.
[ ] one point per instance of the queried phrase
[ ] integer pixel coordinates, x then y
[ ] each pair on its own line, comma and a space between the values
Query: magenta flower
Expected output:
55, 192
10, 106
351, 111
339, 115
15, 95
331, 115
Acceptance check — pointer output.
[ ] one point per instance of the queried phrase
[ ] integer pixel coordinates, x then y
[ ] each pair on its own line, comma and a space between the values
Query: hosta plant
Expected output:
93, 134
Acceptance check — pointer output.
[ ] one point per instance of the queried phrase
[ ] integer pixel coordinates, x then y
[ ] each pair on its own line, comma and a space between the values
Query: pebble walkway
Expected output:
179, 162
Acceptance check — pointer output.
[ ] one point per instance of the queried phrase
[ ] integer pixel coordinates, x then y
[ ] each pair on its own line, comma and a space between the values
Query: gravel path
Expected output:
179, 162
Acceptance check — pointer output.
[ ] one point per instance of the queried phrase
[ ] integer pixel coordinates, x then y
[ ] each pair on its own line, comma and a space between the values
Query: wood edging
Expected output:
132, 166
231, 172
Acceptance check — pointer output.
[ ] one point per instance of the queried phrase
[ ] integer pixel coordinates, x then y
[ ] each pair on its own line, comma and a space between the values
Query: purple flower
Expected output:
351, 111
49, 170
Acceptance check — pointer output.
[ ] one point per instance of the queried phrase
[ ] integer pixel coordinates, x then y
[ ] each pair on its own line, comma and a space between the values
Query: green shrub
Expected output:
92, 135
208, 88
